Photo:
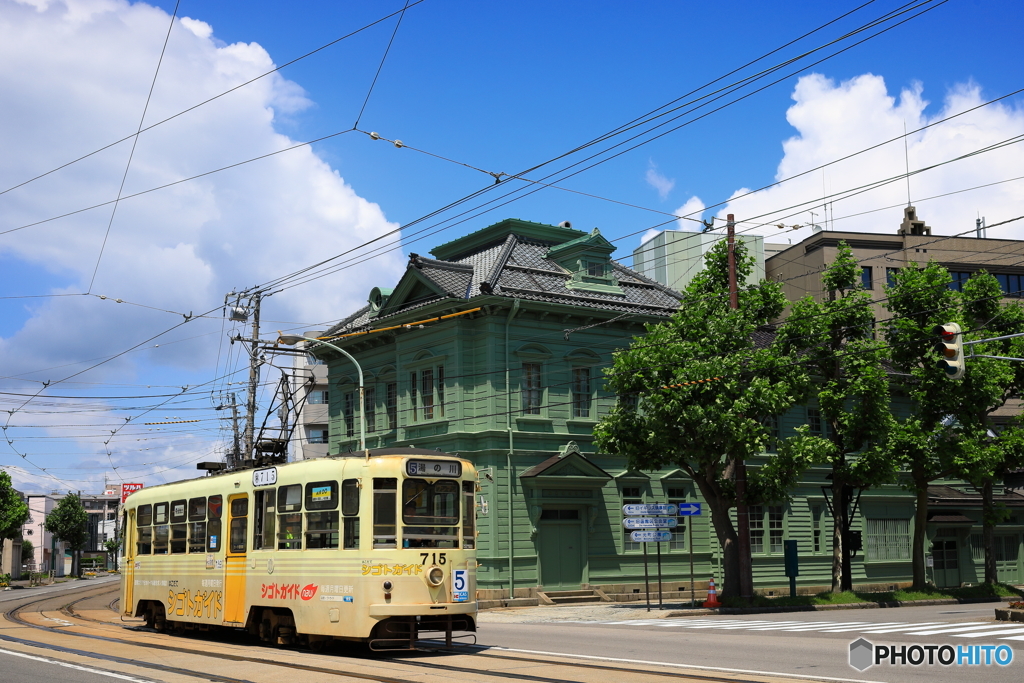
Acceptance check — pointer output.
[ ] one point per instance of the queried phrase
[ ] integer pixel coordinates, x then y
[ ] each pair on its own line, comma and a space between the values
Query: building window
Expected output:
596, 269
866, 278
630, 495
888, 539
392, 404
440, 390
413, 400
317, 397
761, 516
958, 278
816, 527
317, 436
581, 392
370, 400
350, 413
1012, 285
677, 496
814, 421
530, 389
775, 530
890, 276
771, 423
427, 393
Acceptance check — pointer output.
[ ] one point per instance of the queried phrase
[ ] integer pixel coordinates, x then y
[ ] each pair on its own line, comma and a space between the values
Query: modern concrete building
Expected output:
47, 552
310, 395
799, 266
673, 257
102, 509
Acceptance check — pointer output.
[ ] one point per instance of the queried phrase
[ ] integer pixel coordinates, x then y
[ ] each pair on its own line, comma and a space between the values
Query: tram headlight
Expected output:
435, 577
387, 586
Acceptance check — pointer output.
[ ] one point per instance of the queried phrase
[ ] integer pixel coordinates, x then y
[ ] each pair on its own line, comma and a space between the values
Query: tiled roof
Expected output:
517, 267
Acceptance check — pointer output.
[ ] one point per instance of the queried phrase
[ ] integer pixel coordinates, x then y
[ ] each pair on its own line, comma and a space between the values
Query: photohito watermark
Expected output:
864, 654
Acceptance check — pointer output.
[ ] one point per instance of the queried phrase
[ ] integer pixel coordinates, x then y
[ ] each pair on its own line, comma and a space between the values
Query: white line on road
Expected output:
962, 627
673, 665
1001, 632
101, 672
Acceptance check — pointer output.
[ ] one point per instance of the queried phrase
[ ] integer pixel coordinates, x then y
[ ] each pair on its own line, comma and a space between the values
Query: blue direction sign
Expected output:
666, 509
650, 522
689, 509
650, 536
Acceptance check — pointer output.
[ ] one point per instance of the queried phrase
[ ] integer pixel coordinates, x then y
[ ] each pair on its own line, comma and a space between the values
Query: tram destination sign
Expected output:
650, 535
433, 468
650, 522
665, 509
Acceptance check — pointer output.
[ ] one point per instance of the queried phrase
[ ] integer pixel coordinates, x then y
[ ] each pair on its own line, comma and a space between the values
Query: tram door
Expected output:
234, 564
128, 570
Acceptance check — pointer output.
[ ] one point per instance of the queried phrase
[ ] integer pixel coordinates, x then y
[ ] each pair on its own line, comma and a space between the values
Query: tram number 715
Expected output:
435, 558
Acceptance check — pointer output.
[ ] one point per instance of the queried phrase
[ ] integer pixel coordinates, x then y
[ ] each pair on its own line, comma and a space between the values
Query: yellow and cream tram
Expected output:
379, 549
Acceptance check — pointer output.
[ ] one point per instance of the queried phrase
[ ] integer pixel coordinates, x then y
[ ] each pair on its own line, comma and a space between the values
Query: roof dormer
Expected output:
588, 260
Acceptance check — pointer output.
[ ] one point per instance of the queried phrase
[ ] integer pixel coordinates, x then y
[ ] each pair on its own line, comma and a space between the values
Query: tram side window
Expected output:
385, 494
264, 529
179, 529
350, 509
468, 514
214, 508
197, 525
289, 518
239, 521
322, 514
161, 529
144, 521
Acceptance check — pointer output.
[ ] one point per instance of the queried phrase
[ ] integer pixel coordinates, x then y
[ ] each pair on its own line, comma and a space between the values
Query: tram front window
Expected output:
430, 514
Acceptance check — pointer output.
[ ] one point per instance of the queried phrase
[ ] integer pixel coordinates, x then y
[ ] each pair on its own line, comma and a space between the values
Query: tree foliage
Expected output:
707, 428
835, 341
69, 523
13, 510
949, 432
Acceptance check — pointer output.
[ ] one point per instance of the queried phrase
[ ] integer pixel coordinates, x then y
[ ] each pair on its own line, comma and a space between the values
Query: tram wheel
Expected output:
318, 644
266, 631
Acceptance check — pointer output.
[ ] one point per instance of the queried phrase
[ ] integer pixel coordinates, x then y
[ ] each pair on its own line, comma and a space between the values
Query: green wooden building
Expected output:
516, 386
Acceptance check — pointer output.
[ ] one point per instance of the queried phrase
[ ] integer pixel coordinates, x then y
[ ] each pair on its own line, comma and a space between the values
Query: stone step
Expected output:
574, 599
567, 594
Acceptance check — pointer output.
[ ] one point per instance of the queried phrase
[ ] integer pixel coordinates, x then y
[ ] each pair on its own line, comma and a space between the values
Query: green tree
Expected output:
26, 551
13, 510
918, 300
950, 431
69, 523
835, 340
666, 418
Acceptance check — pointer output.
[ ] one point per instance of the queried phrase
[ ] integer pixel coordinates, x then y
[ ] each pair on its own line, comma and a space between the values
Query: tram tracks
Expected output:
554, 670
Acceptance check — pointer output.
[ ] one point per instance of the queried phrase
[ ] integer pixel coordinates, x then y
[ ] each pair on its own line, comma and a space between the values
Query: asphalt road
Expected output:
811, 644
21, 667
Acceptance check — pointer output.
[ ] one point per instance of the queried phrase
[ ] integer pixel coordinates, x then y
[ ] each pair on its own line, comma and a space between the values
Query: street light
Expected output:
293, 339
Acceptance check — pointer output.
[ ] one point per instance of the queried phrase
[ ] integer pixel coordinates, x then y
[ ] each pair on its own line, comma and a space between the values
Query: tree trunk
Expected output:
988, 511
727, 537
847, 576
838, 520
920, 535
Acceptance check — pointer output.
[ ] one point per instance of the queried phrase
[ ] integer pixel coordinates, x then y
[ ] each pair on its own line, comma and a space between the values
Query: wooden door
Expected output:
946, 556
561, 549
235, 558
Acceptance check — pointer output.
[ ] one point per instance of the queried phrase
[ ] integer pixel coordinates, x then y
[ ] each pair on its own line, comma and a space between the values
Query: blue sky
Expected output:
499, 86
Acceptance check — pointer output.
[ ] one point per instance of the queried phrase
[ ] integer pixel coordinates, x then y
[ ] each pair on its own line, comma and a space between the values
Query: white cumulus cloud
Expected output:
74, 76
835, 120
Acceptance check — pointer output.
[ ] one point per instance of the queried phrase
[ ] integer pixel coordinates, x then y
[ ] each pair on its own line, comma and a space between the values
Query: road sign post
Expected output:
693, 600
650, 530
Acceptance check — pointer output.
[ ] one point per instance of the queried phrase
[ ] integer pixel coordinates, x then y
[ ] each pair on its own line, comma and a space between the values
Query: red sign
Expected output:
128, 489
308, 592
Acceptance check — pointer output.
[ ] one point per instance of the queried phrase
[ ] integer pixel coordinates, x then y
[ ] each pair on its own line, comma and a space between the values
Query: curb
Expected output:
828, 608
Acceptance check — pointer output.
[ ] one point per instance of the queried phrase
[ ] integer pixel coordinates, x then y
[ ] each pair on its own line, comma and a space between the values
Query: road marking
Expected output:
860, 628
69, 665
903, 626
967, 629
961, 627
673, 665
1001, 632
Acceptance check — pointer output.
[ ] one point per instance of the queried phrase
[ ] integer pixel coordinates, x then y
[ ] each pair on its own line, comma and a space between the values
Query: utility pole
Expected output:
742, 517
254, 376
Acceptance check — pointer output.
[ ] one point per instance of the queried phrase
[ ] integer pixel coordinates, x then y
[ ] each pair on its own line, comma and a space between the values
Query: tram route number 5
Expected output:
435, 558
460, 585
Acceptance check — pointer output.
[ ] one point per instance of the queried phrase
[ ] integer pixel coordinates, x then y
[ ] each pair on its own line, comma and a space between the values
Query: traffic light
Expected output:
950, 346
